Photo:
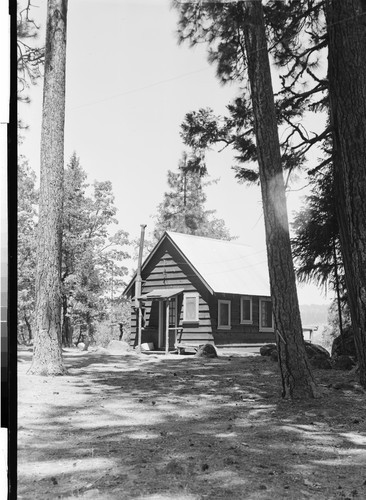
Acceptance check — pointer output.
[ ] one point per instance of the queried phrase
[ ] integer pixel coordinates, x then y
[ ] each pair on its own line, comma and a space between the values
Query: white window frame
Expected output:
250, 320
197, 297
264, 328
219, 326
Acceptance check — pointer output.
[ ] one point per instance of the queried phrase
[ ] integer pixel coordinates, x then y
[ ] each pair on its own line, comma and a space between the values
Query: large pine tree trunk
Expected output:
47, 354
297, 380
66, 324
346, 21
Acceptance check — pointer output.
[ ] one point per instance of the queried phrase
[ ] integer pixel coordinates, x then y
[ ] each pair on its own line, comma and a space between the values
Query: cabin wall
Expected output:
238, 333
167, 269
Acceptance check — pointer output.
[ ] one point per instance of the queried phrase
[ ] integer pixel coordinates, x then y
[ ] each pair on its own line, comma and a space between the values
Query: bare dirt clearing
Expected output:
177, 427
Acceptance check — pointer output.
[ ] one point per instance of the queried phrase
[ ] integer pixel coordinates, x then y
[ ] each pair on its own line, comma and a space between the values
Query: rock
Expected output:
344, 344
267, 349
320, 362
81, 346
206, 351
100, 350
343, 362
318, 356
274, 355
316, 350
118, 347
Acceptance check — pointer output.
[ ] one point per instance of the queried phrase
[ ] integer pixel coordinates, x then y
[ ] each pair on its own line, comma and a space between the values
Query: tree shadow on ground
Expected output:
131, 427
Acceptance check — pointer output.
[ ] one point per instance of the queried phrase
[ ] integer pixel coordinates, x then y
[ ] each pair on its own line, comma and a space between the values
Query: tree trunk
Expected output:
66, 323
29, 328
297, 380
339, 304
346, 22
47, 353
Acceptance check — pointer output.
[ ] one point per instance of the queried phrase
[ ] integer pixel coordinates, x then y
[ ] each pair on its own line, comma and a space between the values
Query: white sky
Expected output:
128, 88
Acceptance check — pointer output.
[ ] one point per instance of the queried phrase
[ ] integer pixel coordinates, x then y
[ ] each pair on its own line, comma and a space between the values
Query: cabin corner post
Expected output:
139, 325
167, 327
138, 288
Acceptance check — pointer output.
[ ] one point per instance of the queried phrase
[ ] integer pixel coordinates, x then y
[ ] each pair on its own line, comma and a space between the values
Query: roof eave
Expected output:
166, 235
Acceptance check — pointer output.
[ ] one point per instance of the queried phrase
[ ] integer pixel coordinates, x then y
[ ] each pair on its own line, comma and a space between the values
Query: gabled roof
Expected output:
223, 266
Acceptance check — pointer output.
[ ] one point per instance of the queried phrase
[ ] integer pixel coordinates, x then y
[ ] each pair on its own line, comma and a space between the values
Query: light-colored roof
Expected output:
227, 267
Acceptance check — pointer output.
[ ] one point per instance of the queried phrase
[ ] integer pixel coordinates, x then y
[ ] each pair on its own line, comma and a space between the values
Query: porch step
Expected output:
158, 352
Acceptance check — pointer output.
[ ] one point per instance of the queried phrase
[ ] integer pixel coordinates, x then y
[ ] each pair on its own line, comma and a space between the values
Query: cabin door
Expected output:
167, 309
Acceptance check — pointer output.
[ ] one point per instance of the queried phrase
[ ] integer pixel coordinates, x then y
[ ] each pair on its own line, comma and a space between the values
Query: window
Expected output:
246, 310
190, 307
265, 315
224, 319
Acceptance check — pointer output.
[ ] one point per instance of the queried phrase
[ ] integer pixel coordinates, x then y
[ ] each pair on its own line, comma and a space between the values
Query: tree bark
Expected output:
346, 21
29, 328
297, 380
47, 353
338, 293
66, 323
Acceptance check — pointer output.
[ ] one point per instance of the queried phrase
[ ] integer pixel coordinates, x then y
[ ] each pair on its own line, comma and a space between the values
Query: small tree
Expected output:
26, 248
316, 246
92, 260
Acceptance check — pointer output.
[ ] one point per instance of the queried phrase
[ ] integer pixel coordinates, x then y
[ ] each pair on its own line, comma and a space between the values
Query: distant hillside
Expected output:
314, 314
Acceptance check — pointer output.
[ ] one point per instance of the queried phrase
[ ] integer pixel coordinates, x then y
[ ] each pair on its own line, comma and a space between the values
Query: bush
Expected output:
105, 332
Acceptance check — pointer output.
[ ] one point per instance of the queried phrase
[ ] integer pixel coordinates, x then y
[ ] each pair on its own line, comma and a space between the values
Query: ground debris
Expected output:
186, 430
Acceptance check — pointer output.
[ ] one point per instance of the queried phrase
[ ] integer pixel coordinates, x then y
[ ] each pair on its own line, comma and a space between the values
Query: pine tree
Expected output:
183, 208
347, 88
30, 56
47, 352
26, 249
316, 245
223, 27
316, 242
92, 259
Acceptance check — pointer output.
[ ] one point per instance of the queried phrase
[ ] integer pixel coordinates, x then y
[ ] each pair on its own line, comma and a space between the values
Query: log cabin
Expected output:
198, 290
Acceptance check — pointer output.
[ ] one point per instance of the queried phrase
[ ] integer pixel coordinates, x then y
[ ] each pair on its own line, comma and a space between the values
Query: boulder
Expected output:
118, 347
267, 349
313, 350
344, 344
343, 362
206, 351
318, 356
320, 362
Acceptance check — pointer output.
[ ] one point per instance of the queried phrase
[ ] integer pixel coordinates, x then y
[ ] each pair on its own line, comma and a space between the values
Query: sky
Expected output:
128, 87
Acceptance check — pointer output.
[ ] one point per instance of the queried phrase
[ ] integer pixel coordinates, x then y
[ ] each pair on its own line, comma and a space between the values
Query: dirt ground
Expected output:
177, 427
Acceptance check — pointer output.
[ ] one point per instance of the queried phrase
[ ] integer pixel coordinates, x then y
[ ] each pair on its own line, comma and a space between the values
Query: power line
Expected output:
139, 89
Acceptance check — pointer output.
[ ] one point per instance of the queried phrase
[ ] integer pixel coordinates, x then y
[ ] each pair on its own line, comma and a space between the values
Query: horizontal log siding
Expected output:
238, 333
168, 270
133, 328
